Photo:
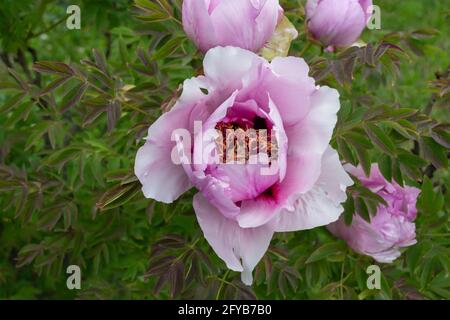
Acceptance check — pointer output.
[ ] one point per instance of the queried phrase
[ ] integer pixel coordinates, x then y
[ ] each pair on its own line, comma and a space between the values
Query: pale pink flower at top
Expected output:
247, 24
391, 228
337, 23
239, 206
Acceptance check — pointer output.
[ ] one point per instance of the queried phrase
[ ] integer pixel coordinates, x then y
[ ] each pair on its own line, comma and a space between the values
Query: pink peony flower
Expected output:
247, 24
299, 183
337, 22
391, 228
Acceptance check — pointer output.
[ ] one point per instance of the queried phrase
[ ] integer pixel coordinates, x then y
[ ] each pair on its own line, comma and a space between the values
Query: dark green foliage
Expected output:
74, 106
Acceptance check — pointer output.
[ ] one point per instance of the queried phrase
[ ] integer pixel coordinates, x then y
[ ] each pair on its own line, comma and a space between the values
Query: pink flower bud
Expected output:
337, 22
247, 24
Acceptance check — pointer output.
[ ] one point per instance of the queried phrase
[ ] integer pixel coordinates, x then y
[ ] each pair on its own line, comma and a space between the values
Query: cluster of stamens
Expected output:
238, 141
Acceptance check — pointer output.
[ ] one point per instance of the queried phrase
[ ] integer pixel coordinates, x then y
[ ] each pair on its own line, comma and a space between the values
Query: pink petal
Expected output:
334, 179
266, 22
322, 204
245, 24
197, 24
352, 26
231, 68
161, 179
241, 249
365, 5
290, 88
205, 141
280, 136
244, 181
336, 22
381, 239
258, 212
308, 140
312, 209
216, 193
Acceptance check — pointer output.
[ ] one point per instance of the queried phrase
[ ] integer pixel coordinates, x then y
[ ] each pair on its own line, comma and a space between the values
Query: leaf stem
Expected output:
223, 280
48, 29
305, 49
341, 287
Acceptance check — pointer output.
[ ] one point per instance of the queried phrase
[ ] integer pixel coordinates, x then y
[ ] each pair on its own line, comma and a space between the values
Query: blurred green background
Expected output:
55, 212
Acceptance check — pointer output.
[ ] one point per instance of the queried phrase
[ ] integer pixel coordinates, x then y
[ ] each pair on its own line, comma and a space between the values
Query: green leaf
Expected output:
22, 83
328, 250
380, 139
118, 195
113, 114
358, 139
54, 84
349, 210
73, 97
36, 133
441, 136
433, 152
404, 131
361, 209
412, 159
397, 173
10, 185
58, 68
100, 61
168, 48
12, 102
60, 157
429, 202
345, 150
364, 159
6, 85
385, 166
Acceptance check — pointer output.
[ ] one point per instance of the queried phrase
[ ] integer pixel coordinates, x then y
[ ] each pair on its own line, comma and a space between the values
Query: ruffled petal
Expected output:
290, 88
161, 178
231, 68
321, 205
241, 249
308, 140
258, 211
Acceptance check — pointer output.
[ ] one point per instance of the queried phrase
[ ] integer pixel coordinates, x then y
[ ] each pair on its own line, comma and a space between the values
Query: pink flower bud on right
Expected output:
393, 225
337, 23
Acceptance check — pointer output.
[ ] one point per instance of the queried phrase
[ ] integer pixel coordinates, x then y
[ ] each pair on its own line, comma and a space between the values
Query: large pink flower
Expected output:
247, 24
240, 205
391, 228
337, 22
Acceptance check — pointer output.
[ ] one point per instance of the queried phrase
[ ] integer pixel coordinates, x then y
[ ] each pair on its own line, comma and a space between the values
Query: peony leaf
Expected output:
380, 139
326, 251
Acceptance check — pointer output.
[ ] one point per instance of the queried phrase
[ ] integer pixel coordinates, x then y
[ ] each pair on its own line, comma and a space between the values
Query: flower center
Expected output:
241, 140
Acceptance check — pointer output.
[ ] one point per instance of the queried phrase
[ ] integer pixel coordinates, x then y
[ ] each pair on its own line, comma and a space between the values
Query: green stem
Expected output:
46, 30
223, 281
306, 48
341, 287
191, 246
